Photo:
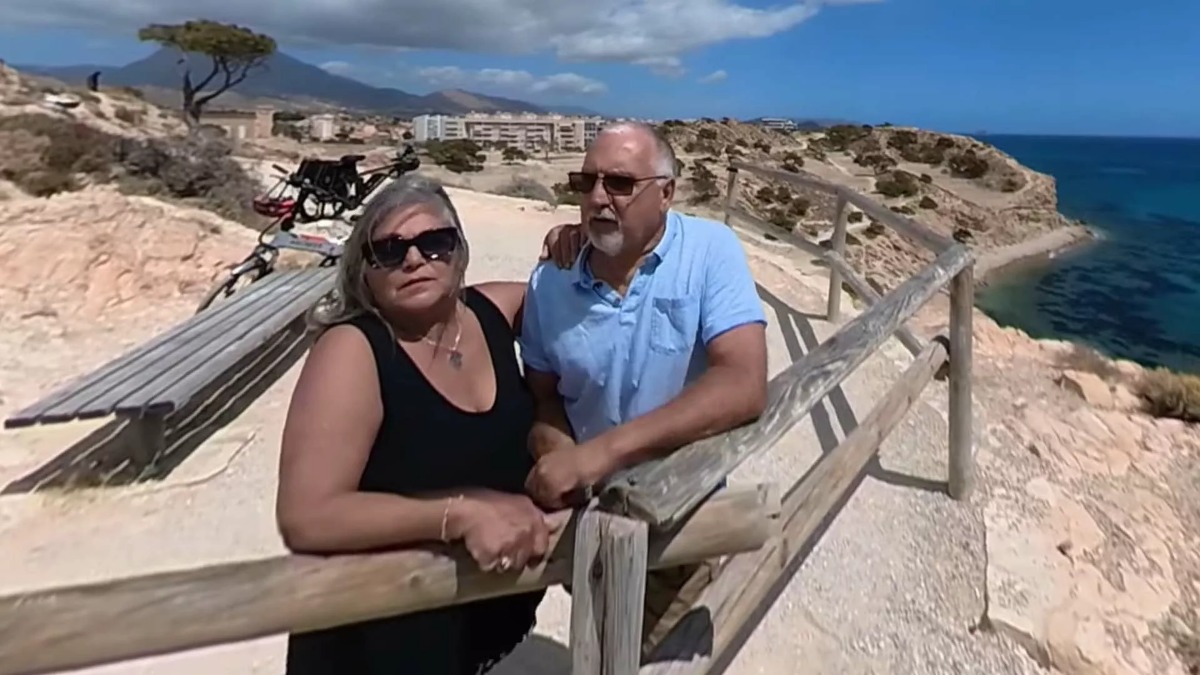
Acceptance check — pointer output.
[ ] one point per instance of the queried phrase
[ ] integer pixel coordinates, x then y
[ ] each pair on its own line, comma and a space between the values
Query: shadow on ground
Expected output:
801, 338
537, 655
102, 458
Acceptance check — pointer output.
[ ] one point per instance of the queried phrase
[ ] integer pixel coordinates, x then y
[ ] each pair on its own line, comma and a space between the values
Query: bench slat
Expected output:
120, 368
99, 397
167, 390
86, 396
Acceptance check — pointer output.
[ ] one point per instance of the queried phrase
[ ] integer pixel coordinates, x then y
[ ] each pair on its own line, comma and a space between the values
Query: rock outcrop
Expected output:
1090, 507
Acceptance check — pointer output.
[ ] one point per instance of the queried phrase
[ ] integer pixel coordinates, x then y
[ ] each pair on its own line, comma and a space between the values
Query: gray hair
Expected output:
351, 297
665, 160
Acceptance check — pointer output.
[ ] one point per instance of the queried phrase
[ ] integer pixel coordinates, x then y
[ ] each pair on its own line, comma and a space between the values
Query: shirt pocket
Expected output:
673, 324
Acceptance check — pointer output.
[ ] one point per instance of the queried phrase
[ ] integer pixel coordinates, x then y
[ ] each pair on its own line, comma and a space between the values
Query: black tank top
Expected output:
426, 443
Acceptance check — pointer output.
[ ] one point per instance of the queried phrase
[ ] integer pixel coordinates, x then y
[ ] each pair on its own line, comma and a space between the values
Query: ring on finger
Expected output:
505, 563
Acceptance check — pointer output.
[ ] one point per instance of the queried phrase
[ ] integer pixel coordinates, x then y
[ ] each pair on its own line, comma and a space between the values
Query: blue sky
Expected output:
1019, 66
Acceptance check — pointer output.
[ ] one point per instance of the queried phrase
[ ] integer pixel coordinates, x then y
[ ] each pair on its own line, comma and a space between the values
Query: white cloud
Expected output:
338, 67
498, 80
654, 33
714, 77
667, 66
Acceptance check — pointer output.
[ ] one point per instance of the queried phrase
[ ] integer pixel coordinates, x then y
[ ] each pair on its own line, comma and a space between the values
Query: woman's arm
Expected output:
332, 421
508, 297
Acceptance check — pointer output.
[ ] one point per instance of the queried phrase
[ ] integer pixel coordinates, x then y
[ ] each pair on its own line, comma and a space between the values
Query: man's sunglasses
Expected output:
391, 251
622, 186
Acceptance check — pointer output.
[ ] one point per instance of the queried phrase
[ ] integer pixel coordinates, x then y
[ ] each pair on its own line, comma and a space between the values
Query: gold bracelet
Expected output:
446, 516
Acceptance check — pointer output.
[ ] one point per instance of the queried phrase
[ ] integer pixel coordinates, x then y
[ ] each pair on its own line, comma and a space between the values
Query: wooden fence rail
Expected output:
663, 513
98, 623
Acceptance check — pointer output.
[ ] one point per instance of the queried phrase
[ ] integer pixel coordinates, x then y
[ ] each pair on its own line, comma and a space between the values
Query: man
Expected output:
653, 339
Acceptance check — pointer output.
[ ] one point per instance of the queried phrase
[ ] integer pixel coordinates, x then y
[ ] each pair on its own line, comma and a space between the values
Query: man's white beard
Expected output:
608, 243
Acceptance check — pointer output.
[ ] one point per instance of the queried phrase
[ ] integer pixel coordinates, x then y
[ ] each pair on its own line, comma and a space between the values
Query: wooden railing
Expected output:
660, 514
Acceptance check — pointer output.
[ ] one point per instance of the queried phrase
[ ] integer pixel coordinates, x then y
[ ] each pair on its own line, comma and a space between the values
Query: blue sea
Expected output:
1134, 294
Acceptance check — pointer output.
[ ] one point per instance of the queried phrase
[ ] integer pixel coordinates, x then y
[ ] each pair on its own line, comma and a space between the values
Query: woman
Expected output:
408, 424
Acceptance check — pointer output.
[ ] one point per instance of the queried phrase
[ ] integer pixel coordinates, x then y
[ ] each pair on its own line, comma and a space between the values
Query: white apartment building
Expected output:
778, 123
524, 131
322, 127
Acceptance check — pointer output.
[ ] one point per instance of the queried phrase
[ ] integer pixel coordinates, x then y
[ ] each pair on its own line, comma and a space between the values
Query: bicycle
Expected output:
262, 259
342, 186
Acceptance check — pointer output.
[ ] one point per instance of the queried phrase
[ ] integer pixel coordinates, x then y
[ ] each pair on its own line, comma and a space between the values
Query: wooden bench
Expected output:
148, 383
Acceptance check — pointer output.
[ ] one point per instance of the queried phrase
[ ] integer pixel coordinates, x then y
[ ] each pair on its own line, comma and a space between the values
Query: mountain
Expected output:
291, 81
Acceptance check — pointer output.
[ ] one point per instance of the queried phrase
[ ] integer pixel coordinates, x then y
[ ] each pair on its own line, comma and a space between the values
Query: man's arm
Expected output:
551, 429
732, 391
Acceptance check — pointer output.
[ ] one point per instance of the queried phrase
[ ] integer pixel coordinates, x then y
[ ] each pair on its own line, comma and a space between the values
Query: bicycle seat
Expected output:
353, 159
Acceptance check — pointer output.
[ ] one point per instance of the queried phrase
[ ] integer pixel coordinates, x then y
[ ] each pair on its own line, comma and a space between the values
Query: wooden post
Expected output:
731, 192
145, 439
837, 244
962, 450
608, 589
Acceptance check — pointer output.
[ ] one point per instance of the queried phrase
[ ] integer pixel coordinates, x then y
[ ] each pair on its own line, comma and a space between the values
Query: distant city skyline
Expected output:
1018, 67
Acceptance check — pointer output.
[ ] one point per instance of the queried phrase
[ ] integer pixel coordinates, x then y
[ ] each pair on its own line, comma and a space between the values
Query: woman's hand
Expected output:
501, 531
562, 244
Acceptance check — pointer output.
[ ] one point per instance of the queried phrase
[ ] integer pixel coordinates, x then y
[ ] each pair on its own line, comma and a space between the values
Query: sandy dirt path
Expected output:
866, 600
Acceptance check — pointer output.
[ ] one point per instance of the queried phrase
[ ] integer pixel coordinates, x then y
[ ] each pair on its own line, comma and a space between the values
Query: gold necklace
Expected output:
455, 357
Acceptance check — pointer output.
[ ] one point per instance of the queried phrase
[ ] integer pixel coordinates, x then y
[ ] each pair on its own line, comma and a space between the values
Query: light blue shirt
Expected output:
618, 358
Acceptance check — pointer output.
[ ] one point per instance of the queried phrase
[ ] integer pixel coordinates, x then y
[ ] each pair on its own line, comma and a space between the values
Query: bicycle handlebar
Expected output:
304, 183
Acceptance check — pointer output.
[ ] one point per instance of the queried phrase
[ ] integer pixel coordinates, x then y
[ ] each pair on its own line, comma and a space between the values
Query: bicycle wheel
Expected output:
228, 287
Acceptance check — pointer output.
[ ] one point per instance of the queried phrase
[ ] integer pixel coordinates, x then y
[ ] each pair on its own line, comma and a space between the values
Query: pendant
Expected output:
456, 358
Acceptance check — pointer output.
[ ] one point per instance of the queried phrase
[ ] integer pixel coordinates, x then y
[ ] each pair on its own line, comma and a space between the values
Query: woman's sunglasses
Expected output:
618, 186
391, 251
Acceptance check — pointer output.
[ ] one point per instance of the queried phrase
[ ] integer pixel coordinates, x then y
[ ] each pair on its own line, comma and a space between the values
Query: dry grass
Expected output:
525, 187
1182, 631
1169, 394
1088, 360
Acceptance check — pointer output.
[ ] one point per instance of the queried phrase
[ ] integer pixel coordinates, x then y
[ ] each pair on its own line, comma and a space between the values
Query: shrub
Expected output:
563, 194
962, 235
897, 184
129, 115
1170, 394
875, 229
513, 154
1011, 184
459, 155
779, 217
967, 165
707, 134
190, 168
926, 178
904, 209
854, 217
799, 207
46, 155
927, 203
923, 154
903, 138
524, 187
765, 194
763, 146
840, 136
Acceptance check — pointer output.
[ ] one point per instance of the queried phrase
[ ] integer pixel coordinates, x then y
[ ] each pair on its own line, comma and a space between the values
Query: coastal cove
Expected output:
1134, 292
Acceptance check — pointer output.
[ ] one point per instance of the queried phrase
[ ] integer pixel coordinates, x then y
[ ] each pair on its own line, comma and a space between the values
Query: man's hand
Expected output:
561, 478
562, 244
